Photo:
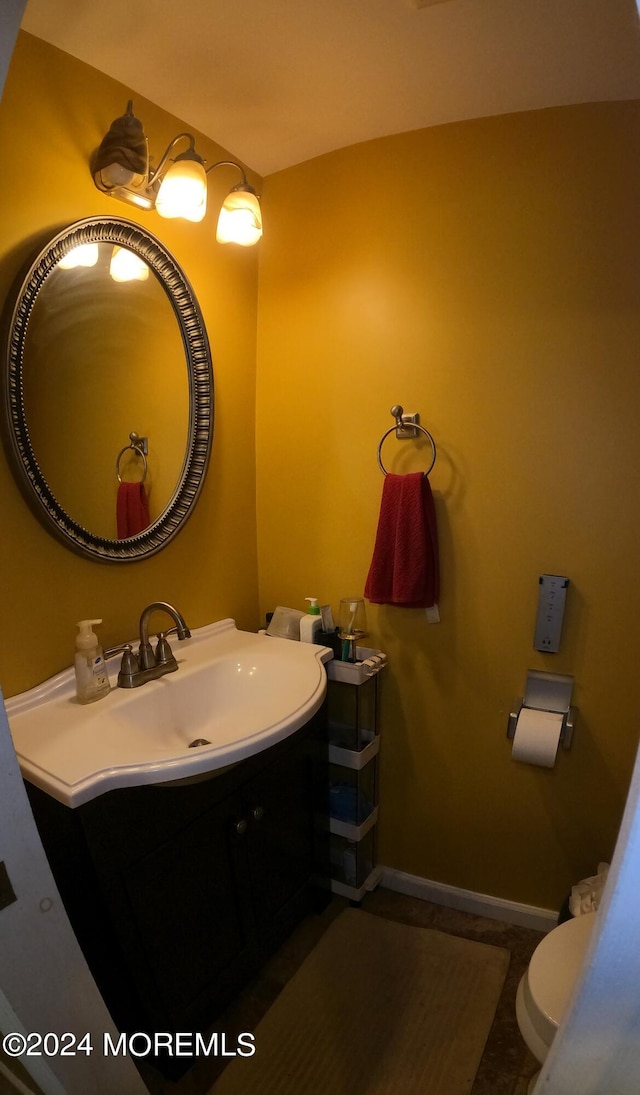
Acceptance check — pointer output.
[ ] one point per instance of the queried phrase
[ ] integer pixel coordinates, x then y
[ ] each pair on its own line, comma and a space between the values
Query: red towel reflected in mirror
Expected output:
132, 510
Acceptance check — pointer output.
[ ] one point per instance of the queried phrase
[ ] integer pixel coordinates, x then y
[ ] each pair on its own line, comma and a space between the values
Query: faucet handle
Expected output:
164, 654
111, 651
128, 667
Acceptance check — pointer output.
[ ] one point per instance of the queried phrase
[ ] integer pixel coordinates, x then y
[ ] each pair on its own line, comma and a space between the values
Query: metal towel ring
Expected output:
138, 446
397, 413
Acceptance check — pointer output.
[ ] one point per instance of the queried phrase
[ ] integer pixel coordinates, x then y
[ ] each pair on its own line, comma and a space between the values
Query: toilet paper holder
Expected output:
547, 692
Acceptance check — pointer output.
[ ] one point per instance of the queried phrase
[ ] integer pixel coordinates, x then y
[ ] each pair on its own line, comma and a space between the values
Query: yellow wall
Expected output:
53, 114
484, 274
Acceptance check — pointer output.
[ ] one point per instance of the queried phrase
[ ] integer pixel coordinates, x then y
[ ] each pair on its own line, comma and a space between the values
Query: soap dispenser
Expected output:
311, 623
92, 679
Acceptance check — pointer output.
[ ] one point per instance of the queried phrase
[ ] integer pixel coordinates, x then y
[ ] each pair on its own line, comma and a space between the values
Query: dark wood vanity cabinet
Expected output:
178, 893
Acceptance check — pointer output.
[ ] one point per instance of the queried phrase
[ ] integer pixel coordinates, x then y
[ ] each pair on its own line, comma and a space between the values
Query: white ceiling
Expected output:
277, 82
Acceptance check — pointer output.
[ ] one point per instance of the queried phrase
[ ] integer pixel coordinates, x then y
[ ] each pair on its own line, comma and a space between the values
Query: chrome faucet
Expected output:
147, 664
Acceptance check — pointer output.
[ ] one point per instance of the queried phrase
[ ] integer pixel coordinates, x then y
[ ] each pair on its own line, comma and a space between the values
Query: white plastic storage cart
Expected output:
354, 743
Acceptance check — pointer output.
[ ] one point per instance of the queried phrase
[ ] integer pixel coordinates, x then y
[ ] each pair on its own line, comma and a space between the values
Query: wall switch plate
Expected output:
552, 593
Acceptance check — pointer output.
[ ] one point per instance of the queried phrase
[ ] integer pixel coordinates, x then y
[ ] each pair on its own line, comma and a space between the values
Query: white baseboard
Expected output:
511, 912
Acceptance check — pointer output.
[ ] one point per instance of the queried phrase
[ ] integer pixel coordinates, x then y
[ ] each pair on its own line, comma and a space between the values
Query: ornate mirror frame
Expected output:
18, 443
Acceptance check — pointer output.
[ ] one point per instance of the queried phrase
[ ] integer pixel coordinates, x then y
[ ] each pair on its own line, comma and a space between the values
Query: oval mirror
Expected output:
108, 390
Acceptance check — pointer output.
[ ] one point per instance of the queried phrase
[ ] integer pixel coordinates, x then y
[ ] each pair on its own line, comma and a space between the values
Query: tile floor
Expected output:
506, 1064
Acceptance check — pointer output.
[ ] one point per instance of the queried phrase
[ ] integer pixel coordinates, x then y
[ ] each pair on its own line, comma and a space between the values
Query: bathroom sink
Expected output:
235, 694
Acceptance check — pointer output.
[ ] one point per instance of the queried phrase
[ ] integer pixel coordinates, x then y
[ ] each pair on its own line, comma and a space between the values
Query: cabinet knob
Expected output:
240, 827
257, 813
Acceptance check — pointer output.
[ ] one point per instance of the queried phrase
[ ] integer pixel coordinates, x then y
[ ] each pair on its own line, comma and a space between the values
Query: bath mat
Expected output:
377, 1008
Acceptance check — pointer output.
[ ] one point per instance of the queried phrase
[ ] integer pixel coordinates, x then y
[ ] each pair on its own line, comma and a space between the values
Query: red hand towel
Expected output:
132, 510
405, 565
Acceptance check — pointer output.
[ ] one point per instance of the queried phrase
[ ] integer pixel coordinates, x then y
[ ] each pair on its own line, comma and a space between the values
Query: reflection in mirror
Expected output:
106, 340
103, 358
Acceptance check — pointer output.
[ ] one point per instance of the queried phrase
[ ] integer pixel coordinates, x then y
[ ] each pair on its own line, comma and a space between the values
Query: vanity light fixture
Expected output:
240, 219
175, 188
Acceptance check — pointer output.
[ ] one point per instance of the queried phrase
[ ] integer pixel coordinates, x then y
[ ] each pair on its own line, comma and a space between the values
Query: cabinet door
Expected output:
190, 916
279, 811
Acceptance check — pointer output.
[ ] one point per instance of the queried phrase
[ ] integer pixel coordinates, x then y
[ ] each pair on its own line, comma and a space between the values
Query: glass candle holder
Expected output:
352, 625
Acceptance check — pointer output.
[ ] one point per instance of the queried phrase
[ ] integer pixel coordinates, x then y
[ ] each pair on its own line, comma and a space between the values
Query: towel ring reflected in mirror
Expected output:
136, 446
53, 345
407, 426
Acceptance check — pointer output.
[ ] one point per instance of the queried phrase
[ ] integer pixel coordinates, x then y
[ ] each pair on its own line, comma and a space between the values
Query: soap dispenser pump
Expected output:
312, 622
92, 679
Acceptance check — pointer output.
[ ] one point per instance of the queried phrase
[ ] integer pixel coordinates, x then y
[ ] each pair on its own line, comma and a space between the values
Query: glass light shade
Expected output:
240, 219
86, 254
183, 191
127, 266
117, 174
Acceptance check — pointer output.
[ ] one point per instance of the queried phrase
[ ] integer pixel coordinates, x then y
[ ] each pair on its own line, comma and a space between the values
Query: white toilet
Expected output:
545, 989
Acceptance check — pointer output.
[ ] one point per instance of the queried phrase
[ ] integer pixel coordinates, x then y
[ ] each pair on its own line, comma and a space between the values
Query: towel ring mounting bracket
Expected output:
406, 425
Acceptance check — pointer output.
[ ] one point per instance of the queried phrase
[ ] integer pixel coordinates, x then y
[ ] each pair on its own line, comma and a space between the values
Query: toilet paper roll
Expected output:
537, 737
